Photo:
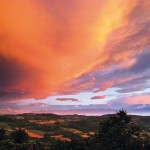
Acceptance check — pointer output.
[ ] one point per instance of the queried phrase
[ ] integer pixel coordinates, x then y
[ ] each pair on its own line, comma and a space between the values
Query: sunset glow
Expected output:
78, 52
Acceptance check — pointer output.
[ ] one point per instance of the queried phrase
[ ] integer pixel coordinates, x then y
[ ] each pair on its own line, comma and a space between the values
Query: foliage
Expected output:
20, 136
2, 134
118, 133
115, 132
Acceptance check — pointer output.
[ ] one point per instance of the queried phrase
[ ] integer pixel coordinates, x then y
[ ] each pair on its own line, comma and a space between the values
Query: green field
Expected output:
71, 126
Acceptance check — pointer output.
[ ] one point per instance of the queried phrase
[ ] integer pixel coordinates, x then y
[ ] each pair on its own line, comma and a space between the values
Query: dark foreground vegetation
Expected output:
114, 132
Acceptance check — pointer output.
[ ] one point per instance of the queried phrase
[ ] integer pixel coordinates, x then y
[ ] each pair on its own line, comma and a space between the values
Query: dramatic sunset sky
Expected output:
74, 56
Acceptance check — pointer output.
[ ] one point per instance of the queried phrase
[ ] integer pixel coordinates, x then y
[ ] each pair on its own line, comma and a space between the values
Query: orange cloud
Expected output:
57, 44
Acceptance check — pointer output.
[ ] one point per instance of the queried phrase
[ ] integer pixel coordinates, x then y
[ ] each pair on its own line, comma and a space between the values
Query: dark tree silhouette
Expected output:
2, 134
20, 136
117, 133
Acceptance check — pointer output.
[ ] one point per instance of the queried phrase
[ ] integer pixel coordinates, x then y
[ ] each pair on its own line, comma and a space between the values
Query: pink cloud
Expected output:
67, 99
13, 111
98, 97
140, 99
37, 104
104, 87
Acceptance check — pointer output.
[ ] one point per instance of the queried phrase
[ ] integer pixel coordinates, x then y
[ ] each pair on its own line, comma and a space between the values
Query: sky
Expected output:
74, 56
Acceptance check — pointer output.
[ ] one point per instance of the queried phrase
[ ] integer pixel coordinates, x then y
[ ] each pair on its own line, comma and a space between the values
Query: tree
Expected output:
118, 133
20, 136
2, 134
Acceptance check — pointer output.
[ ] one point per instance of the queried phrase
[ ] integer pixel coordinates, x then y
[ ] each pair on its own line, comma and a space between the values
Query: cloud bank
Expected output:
50, 48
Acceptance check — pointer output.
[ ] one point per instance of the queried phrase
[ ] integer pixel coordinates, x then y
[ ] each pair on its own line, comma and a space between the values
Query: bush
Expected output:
2, 134
20, 136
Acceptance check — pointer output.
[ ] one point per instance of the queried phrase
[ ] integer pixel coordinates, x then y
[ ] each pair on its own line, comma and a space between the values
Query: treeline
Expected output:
117, 132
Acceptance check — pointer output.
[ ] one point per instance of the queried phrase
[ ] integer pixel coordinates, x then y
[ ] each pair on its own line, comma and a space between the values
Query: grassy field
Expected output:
4, 125
39, 132
72, 126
